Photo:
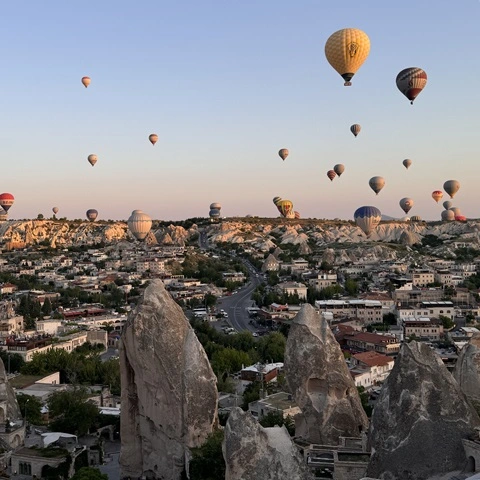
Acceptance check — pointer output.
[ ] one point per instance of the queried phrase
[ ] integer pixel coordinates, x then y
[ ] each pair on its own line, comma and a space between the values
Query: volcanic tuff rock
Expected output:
8, 400
321, 384
467, 371
252, 452
169, 395
420, 419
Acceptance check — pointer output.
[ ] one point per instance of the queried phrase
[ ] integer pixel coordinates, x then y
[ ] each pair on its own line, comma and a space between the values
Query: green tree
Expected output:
364, 399
271, 347
47, 307
31, 406
446, 322
89, 473
228, 361
13, 361
273, 418
207, 461
351, 286
71, 412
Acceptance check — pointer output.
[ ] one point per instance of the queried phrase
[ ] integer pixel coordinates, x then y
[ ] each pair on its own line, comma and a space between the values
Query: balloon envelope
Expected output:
456, 211
447, 204
153, 138
376, 184
139, 224
92, 214
339, 169
346, 50
411, 81
355, 129
448, 216
297, 214
406, 204
215, 206
437, 195
406, 163
214, 213
283, 152
276, 200
367, 218
416, 218
55, 210
86, 81
92, 159
6, 201
285, 207
331, 175
460, 218
451, 187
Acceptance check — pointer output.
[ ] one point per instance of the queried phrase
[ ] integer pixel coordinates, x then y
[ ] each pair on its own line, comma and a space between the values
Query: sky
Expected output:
225, 84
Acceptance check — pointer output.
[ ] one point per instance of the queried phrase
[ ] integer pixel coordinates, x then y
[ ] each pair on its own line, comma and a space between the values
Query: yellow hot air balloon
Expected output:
153, 138
346, 50
86, 81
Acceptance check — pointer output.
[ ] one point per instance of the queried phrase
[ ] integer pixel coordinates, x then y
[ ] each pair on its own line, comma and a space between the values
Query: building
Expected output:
423, 278
323, 280
259, 372
373, 366
367, 311
280, 402
358, 342
293, 288
11, 326
423, 328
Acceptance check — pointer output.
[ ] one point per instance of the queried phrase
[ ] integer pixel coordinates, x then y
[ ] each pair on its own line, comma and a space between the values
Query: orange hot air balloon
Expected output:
86, 81
153, 138
460, 218
331, 175
283, 152
437, 195
6, 201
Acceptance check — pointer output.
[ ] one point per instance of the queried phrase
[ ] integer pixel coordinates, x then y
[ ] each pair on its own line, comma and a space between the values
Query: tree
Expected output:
351, 286
273, 418
40, 216
89, 473
47, 307
446, 322
364, 399
31, 406
207, 461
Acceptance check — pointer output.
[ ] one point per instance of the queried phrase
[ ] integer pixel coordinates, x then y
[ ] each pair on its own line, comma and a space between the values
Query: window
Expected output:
25, 468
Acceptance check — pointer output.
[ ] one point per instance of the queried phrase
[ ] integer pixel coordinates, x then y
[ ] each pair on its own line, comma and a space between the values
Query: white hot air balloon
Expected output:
139, 224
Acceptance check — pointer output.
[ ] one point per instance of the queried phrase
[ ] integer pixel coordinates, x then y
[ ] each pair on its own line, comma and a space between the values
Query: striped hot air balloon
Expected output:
6, 201
331, 175
139, 224
355, 129
297, 215
437, 195
367, 218
411, 81
285, 207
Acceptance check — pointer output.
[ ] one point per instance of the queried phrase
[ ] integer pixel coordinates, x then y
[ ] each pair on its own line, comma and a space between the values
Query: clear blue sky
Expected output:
225, 85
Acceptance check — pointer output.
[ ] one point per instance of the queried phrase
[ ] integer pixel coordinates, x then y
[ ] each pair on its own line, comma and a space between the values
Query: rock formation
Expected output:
252, 452
320, 382
9, 408
169, 395
420, 419
467, 371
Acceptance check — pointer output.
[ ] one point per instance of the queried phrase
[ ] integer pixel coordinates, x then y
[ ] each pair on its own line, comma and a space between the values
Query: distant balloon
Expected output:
339, 169
451, 187
367, 218
376, 184
214, 213
411, 81
437, 195
346, 50
416, 218
456, 211
215, 206
6, 201
406, 204
407, 163
92, 214
153, 138
460, 218
276, 200
139, 224
405, 219
285, 207
92, 158
283, 152
86, 81
297, 215
447, 205
355, 129
331, 175
55, 210
448, 216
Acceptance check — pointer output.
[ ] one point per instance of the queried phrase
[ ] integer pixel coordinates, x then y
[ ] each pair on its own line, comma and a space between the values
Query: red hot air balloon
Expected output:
331, 175
6, 201
437, 195
411, 81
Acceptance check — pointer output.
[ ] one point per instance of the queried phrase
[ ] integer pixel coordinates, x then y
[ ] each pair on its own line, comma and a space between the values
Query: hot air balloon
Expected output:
355, 129
214, 213
6, 201
215, 206
447, 204
339, 169
406, 163
416, 218
460, 218
451, 187
456, 211
92, 214
331, 175
297, 215
346, 50
285, 207
405, 219
153, 138
276, 200
406, 204
367, 218
448, 216
86, 81
283, 152
437, 195
139, 224
376, 184
55, 210
92, 158
411, 81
